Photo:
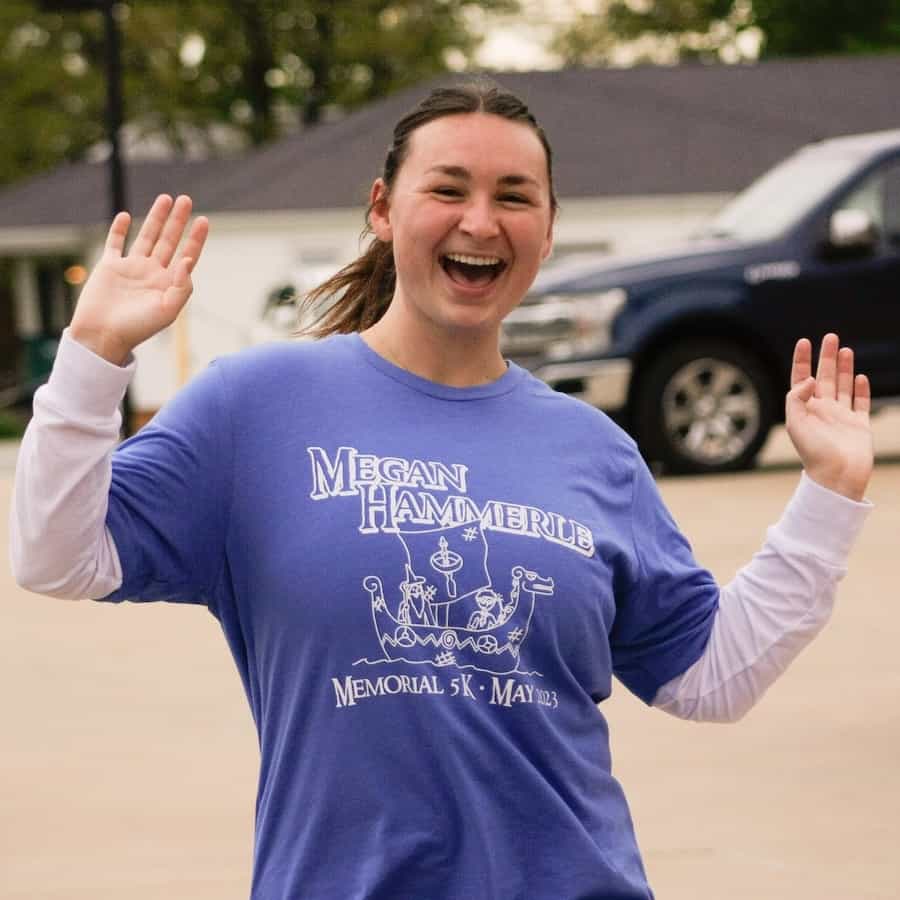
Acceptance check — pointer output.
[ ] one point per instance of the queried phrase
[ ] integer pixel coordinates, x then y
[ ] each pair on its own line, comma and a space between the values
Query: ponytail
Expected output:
363, 290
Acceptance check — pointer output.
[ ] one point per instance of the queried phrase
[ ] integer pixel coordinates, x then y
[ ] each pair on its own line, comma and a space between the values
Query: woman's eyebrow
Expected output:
462, 172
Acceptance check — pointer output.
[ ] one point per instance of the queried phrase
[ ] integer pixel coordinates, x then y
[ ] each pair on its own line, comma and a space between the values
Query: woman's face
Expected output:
470, 220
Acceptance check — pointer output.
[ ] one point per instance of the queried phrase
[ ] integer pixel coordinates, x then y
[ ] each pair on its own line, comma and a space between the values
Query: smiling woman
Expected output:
466, 244
489, 217
428, 565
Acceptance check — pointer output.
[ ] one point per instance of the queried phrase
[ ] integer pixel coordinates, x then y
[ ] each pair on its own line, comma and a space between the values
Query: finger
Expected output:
845, 377
862, 394
797, 398
180, 290
196, 239
171, 233
826, 372
802, 391
182, 277
801, 366
118, 232
153, 225
806, 389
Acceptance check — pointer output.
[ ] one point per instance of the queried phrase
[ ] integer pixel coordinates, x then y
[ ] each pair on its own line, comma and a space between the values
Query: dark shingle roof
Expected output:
615, 132
78, 194
80, 184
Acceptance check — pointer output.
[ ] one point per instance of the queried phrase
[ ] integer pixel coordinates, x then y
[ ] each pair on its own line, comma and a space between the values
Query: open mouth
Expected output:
472, 271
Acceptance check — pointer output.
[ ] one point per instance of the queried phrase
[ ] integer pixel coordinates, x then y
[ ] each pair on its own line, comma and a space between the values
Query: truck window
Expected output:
879, 197
892, 205
778, 199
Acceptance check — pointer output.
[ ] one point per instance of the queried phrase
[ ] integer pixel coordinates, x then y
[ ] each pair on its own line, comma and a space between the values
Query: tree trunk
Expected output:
320, 63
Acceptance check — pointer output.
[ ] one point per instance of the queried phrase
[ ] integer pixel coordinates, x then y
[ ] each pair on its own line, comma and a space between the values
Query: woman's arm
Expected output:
778, 603
59, 544
772, 608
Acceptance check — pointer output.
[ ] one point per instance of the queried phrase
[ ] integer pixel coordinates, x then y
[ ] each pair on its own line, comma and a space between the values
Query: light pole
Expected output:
114, 115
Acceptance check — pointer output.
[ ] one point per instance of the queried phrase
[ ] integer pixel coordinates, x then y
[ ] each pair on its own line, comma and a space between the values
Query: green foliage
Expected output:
808, 27
650, 31
257, 66
665, 16
52, 100
11, 426
708, 29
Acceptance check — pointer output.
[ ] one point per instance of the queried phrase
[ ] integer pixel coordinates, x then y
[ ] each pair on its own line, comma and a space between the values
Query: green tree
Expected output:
813, 27
629, 31
52, 100
259, 67
671, 30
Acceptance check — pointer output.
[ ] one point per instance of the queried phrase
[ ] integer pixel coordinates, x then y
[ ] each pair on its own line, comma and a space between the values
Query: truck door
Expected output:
857, 294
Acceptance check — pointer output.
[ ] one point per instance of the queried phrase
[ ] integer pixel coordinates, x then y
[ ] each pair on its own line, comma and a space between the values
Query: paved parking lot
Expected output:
128, 759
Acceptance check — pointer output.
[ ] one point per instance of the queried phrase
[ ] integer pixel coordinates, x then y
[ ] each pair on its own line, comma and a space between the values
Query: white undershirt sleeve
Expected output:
59, 543
772, 608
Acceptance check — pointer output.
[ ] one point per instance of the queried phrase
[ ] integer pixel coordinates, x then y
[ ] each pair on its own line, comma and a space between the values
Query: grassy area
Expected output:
11, 426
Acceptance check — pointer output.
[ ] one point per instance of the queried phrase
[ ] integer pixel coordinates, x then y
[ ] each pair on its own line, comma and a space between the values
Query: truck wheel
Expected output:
704, 406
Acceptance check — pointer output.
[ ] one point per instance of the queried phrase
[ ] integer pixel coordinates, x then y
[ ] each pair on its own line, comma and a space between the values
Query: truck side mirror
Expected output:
852, 230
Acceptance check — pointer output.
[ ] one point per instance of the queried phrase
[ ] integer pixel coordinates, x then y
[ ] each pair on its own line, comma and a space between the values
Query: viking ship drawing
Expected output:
448, 612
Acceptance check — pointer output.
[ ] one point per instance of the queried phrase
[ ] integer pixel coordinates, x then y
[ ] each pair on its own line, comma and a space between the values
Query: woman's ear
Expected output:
379, 212
547, 249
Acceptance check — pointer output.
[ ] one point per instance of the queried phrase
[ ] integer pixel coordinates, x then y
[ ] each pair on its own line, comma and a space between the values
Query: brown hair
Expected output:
364, 287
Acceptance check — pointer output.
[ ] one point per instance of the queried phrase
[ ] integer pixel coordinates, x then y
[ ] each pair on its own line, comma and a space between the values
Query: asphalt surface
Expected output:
128, 759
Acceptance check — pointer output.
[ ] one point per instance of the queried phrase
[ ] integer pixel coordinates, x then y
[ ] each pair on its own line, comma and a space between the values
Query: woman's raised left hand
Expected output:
828, 418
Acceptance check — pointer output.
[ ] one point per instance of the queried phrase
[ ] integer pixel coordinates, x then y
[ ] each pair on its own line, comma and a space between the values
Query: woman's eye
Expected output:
514, 198
447, 192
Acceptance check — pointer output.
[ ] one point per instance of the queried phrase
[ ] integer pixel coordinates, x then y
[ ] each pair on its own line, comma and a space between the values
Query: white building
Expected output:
642, 156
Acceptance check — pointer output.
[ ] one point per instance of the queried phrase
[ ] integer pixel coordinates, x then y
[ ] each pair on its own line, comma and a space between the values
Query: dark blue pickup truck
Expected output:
690, 351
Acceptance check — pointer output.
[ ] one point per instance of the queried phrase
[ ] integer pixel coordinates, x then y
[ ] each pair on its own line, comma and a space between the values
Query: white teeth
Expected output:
474, 260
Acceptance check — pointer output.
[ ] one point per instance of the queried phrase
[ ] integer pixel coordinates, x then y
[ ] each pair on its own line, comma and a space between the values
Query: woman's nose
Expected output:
480, 219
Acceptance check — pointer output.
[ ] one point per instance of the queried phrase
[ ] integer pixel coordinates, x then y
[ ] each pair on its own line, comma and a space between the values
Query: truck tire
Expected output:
703, 406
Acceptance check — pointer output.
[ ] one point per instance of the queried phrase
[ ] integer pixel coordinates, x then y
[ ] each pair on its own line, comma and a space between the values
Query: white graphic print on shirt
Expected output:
448, 613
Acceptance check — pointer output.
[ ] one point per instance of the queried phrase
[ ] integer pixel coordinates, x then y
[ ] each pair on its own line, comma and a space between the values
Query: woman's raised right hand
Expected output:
130, 297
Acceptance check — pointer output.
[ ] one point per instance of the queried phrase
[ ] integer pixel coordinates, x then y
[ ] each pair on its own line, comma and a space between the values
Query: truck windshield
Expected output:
779, 198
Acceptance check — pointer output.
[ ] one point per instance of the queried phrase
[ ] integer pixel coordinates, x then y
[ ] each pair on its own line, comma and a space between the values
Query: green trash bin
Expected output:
40, 351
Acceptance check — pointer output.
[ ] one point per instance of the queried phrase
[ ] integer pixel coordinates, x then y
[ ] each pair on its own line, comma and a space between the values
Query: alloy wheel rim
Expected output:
711, 411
